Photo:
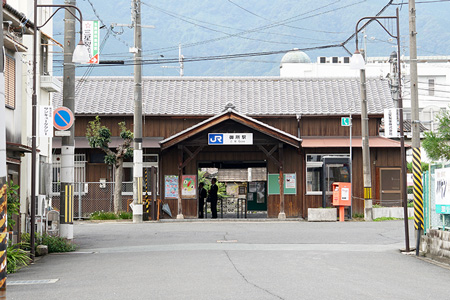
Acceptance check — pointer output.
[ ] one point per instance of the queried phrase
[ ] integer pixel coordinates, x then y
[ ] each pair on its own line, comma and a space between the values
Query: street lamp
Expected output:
357, 62
80, 55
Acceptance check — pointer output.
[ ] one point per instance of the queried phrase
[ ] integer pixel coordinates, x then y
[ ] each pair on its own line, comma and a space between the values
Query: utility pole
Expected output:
417, 164
68, 142
3, 173
137, 120
367, 179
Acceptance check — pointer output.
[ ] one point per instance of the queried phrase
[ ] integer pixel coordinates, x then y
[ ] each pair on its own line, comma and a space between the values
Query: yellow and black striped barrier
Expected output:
417, 189
367, 193
3, 239
66, 213
146, 201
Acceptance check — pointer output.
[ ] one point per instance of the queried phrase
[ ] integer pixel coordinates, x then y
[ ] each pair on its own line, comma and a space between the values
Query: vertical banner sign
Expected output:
390, 123
91, 37
46, 121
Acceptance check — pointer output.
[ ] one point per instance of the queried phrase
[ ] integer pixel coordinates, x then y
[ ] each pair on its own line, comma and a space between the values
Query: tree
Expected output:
99, 136
436, 143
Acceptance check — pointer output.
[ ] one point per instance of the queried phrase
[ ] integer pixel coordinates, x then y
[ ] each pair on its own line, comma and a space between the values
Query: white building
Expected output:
18, 29
433, 78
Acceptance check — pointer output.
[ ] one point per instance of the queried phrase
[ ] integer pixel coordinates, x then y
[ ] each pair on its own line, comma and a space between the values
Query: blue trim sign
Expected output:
442, 190
230, 138
63, 118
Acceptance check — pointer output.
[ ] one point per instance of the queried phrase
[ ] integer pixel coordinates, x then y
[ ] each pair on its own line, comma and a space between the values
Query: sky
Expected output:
210, 31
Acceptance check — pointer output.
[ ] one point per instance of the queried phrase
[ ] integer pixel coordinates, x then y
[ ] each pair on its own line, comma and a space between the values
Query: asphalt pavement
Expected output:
229, 259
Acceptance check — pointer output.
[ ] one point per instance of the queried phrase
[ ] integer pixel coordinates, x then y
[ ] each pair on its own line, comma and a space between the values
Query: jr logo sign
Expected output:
215, 139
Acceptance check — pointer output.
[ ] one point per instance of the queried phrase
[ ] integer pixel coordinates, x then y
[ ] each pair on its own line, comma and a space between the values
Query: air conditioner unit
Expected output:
42, 206
51, 84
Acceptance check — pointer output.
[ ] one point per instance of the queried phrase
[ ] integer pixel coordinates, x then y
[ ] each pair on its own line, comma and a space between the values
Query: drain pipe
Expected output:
299, 117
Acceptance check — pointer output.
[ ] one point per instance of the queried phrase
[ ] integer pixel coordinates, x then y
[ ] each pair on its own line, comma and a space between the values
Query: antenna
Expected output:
180, 61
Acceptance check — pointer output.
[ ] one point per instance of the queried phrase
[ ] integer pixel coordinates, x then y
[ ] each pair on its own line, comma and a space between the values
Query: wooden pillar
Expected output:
282, 214
180, 175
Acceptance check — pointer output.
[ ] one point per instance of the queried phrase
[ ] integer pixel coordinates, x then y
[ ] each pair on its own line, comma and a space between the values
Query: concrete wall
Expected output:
393, 212
436, 245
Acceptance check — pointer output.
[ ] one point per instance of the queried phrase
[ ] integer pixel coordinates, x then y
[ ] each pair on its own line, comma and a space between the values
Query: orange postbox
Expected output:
342, 197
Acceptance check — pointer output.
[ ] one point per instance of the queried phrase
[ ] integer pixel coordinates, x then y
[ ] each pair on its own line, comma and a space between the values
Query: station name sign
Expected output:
230, 138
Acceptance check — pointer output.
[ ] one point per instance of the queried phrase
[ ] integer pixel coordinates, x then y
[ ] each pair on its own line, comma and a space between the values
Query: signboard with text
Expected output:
91, 38
230, 138
45, 121
390, 123
442, 190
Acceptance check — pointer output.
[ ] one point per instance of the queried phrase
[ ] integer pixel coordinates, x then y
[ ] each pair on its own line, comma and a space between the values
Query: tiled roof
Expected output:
207, 96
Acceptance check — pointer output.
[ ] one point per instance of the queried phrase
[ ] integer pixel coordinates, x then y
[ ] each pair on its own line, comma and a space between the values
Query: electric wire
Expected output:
302, 16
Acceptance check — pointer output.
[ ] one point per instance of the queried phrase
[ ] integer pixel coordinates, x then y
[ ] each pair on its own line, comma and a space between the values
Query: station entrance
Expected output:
242, 188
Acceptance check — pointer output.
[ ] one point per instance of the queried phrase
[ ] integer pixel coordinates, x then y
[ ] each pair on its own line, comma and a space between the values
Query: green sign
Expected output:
290, 184
345, 121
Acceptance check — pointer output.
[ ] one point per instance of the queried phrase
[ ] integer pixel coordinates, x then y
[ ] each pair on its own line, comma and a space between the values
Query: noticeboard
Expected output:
290, 184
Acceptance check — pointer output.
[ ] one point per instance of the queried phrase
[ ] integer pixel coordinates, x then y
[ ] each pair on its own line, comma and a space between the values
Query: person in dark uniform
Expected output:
213, 197
201, 199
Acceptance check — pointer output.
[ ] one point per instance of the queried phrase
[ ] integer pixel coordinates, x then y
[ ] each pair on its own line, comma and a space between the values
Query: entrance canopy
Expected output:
231, 114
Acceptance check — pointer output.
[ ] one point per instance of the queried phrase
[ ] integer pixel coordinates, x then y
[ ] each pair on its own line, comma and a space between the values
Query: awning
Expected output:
18, 147
82, 142
344, 142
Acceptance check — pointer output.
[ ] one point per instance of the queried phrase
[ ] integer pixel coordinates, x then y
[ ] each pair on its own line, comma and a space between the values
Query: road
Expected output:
234, 260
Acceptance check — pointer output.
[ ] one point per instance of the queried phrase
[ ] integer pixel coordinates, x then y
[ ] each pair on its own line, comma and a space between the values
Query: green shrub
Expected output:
16, 257
358, 216
385, 219
55, 244
102, 215
13, 205
376, 206
126, 215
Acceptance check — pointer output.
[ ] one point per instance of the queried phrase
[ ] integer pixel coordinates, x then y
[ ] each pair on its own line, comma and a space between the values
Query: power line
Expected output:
275, 24
290, 26
422, 2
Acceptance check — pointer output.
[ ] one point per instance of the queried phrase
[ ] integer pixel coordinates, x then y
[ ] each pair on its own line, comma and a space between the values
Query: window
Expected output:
314, 170
44, 57
149, 160
431, 87
313, 173
10, 82
79, 173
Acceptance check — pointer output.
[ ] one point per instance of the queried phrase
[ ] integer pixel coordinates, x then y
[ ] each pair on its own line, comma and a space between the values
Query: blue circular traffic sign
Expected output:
63, 118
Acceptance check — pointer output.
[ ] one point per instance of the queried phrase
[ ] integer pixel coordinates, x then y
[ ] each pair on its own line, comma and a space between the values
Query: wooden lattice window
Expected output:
10, 82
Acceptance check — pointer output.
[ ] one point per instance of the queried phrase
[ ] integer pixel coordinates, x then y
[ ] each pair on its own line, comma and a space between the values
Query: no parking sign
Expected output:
63, 118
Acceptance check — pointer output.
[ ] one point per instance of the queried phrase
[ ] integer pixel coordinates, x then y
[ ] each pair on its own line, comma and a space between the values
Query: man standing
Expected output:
213, 196
201, 200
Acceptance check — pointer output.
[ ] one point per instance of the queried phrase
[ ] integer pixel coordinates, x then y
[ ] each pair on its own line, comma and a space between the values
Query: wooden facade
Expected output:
293, 158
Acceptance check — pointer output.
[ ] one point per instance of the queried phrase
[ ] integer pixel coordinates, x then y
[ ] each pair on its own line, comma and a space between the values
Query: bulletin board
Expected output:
290, 184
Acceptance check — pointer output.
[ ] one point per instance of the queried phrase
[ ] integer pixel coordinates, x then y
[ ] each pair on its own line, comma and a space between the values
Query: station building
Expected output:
288, 128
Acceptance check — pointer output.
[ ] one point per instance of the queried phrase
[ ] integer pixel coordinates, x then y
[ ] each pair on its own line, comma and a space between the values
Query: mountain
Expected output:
206, 28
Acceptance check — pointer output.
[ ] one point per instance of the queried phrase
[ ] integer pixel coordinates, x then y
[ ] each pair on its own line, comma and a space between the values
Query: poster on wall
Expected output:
290, 182
171, 186
442, 190
189, 186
